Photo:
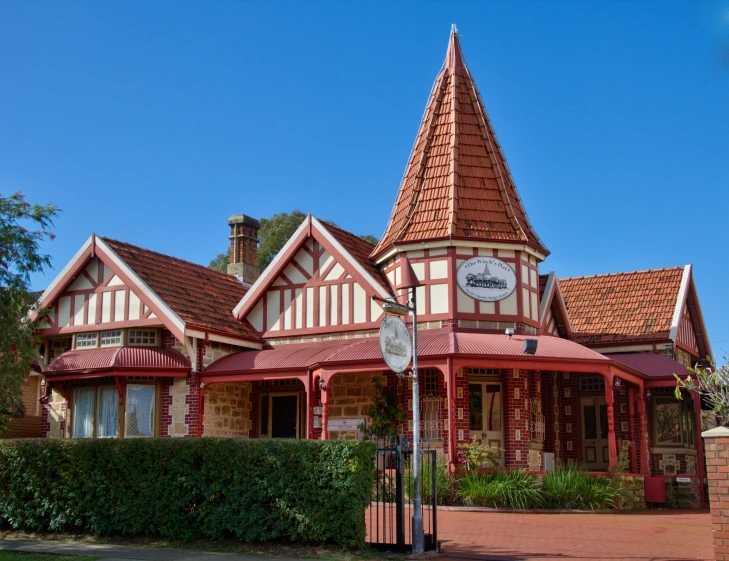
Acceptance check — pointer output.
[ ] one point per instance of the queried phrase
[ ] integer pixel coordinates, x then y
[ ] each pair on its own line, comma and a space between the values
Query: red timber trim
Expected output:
644, 468
612, 443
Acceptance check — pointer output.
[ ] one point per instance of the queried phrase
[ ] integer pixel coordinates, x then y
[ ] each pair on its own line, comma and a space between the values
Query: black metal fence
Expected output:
389, 518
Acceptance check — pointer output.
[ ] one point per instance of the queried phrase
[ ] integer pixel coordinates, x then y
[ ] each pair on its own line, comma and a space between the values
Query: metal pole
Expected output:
418, 537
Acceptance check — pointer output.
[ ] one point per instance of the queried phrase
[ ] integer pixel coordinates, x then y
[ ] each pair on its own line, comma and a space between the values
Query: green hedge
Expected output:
254, 490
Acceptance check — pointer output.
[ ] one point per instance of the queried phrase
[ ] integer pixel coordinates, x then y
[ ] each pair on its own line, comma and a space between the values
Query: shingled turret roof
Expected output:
457, 184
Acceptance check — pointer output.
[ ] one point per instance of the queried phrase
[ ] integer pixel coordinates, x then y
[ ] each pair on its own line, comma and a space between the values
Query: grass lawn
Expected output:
20, 556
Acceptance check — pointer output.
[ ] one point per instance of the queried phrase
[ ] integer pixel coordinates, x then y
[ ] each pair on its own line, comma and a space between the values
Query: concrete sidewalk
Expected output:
121, 552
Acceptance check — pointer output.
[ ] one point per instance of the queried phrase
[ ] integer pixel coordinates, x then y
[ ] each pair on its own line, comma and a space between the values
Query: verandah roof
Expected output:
552, 353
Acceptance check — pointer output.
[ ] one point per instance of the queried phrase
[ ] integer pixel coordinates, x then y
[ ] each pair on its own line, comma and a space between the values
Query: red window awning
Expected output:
118, 361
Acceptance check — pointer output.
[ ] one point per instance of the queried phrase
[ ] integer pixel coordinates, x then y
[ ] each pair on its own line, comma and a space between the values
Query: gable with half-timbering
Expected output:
96, 298
313, 292
314, 286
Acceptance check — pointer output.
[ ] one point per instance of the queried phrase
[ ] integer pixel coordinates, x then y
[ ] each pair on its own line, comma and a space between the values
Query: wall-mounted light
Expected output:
647, 394
322, 385
616, 382
530, 346
509, 331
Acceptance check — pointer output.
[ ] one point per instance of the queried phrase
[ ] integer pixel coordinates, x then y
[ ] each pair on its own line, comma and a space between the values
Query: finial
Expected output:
454, 29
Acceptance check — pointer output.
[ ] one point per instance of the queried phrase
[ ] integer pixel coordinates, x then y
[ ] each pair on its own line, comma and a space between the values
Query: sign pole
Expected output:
418, 537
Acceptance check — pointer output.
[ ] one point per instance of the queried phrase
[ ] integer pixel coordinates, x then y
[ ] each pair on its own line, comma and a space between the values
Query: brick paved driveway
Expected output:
648, 535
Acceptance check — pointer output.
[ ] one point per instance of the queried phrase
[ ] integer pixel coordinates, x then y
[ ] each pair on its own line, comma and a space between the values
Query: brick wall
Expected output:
516, 418
25, 427
717, 468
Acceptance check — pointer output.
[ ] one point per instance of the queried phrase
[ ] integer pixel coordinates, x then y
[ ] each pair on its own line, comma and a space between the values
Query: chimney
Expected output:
244, 248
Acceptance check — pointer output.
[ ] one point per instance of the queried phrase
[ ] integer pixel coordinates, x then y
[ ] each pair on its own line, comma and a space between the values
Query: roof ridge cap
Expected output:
680, 267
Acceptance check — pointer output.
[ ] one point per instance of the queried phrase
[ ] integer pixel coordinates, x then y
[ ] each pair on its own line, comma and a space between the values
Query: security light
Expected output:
530, 346
509, 331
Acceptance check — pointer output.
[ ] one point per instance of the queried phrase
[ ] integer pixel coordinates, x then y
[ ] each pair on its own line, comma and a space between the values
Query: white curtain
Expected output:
140, 410
83, 412
106, 416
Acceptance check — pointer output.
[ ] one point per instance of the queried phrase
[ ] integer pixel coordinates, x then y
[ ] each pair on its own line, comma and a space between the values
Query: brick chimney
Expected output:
243, 248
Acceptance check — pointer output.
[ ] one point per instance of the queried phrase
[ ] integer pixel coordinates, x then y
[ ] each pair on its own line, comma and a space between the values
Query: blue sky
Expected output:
152, 122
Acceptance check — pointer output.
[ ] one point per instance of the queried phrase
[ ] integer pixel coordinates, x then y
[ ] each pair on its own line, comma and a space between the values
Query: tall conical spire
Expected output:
457, 184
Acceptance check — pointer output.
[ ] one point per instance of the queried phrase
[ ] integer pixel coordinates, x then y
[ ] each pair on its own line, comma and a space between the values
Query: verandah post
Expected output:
610, 401
631, 427
324, 386
450, 394
643, 424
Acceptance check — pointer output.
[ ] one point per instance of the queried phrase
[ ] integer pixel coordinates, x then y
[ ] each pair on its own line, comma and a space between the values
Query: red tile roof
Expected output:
651, 365
360, 249
119, 358
457, 183
623, 306
202, 297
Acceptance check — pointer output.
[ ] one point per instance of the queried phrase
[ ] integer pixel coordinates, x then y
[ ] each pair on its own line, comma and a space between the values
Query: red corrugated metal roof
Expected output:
651, 365
431, 343
202, 297
457, 183
623, 306
112, 358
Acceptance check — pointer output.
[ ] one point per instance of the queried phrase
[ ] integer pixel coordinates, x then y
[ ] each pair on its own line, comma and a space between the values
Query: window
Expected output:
592, 384
142, 338
83, 413
140, 411
430, 381
673, 420
87, 340
111, 338
95, 404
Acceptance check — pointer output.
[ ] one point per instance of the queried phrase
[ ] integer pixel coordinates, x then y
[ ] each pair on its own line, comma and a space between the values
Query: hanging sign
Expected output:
486, 279
395, 344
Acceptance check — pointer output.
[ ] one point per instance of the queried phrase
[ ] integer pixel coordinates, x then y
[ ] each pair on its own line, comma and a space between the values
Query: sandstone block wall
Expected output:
228, 409
351, 395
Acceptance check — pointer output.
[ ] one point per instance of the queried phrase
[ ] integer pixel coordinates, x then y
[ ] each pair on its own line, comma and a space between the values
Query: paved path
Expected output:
643, 536
124, 552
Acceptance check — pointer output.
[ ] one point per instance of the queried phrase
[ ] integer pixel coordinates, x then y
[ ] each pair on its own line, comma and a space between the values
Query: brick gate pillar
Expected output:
717, 468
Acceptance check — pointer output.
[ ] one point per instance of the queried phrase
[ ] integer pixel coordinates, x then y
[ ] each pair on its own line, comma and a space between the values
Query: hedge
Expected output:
254, 490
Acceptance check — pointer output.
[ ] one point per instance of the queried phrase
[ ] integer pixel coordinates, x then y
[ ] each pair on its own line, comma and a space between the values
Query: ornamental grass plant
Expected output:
500, 489
570, 486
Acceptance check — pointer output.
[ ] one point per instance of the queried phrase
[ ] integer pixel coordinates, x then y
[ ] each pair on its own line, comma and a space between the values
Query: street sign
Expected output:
395, 344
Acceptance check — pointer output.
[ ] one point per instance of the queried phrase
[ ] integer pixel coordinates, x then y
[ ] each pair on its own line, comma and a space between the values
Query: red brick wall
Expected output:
717, 467
516, 426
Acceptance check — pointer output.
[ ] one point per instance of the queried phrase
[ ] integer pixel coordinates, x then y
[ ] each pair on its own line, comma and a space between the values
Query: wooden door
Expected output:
594, 433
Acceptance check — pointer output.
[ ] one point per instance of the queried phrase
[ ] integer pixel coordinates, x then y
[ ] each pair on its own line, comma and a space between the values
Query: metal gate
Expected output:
389, 518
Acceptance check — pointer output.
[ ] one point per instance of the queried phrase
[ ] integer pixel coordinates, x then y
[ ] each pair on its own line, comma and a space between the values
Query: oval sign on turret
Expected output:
486, 279
395, 343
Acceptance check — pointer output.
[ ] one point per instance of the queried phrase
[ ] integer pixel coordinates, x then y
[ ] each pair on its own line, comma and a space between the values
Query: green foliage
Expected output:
501, 489
22, 229
220, 262
713, 384
274, 233
571, 486
476, 456
445, 489
370, 238
384, 413
253, 490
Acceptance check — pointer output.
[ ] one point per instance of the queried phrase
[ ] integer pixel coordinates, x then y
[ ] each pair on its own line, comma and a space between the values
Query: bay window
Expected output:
96, 412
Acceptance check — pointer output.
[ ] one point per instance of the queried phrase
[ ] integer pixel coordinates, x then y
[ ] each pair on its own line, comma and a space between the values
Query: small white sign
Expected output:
317, 422
344, 424
395, 344
683, 480
486, 279
317, 410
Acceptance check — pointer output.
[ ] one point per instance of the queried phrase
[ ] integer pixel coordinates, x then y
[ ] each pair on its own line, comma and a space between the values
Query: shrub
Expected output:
475, 456
570, 486
502, 489
255, 490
